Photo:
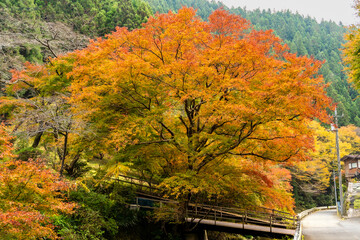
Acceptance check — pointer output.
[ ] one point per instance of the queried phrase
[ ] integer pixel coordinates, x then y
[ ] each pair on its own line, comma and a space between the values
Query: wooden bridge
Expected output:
260, 221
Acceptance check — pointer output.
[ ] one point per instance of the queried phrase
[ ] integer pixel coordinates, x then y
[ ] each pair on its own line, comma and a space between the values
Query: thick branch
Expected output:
167, 129
152, 142
265, 157
273, 138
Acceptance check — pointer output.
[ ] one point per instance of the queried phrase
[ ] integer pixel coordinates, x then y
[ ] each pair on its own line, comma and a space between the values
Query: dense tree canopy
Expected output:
196, 104
304, 35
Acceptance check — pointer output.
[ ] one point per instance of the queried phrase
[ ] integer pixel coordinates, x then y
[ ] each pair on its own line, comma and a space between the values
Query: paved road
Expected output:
326, 225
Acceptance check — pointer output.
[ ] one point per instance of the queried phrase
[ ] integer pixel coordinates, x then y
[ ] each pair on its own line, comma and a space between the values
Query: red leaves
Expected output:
30, 194
222, 23
25, 225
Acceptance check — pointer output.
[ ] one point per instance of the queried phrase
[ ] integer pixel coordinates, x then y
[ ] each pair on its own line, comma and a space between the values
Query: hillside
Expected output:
35, 30
67, 25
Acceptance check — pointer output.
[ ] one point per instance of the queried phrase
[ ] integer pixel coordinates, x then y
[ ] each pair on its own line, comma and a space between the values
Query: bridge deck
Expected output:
241, 226
265, 221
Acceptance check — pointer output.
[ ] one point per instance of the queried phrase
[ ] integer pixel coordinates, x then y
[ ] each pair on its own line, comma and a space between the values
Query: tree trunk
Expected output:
37, 140
70, 168
64, 154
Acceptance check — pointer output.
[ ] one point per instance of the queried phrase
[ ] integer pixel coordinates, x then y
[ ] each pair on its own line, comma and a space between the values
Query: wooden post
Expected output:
137, 203
205, 235
295, 221
245, 216
271, 216
215, 217
243, 220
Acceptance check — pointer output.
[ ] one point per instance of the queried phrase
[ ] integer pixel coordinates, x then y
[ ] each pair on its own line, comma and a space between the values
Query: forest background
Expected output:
35, 30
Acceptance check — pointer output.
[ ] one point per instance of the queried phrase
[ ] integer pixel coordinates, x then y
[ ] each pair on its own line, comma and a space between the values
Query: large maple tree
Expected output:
211, 109
192, 94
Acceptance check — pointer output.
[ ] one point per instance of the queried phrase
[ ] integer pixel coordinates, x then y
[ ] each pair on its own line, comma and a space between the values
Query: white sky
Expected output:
336, 10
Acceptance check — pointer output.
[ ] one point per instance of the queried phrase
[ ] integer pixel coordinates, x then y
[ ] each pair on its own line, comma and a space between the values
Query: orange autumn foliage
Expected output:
202, 90
195, 104
210, 82
6, 146
30, 196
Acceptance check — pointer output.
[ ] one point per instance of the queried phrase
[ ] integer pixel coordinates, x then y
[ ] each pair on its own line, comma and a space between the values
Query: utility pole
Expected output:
335, 187
336, 130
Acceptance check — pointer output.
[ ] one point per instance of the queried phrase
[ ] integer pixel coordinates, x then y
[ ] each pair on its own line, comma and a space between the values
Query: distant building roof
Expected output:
350, 157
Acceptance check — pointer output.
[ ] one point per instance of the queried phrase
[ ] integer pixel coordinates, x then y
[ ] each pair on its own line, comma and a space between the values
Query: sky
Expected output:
336, 10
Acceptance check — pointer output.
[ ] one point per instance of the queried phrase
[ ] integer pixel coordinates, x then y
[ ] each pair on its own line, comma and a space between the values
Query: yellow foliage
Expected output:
317, 171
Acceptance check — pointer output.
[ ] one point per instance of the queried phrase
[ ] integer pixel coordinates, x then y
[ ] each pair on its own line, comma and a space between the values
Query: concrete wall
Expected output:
353, 194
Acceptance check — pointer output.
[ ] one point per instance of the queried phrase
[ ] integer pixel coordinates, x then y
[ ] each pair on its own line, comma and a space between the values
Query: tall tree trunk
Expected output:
38, 135
64, 153
37, 140
70, 168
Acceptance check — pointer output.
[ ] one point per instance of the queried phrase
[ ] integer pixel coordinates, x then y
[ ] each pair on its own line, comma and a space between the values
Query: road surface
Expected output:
326, 225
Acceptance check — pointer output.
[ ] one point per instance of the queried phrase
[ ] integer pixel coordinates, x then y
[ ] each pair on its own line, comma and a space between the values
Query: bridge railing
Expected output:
243, 216
151, 199
139, 184
196, 212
